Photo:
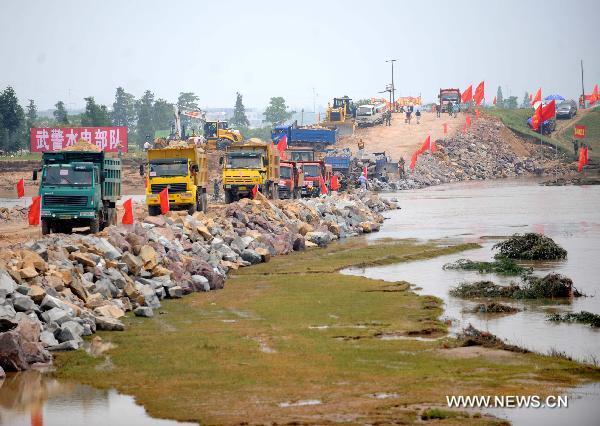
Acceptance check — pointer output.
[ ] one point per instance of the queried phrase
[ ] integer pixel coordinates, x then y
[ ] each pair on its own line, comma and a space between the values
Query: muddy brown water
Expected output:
481, 212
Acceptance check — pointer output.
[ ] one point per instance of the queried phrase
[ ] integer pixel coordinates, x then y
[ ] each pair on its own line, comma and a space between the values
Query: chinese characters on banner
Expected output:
47, 139
579, 132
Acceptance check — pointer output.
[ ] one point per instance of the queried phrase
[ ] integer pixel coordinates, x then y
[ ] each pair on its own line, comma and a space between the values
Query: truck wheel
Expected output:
192, 209
112, 217
94, 226
46, 228
153, 210
204, 199
228, 196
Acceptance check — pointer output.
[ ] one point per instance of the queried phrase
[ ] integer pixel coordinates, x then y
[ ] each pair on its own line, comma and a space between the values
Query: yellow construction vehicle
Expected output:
218, 134
339, 116
249, 164
182, 168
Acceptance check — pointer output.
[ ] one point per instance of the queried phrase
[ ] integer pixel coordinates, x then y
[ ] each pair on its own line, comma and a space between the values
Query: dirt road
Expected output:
401, 139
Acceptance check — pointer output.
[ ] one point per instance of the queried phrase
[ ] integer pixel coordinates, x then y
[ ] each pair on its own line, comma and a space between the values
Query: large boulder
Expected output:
7, 284
20, 347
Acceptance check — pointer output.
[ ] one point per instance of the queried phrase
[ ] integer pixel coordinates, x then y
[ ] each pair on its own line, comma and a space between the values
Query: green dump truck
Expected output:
78, 189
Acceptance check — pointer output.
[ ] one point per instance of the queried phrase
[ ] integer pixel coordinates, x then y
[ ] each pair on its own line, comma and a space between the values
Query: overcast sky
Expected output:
66, 50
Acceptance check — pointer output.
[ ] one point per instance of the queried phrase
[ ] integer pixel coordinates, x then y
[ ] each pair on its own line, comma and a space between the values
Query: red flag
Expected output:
425, 146
128, 215
581, 161
282, 146
21, 188
323, 186
595, 96
34, 210
254, 191
413, 160
445, 128
365, 171
468, 121
164, 200
335, 183
467, 95
479, 93
536, 120
549, 111
494, 101
537, 97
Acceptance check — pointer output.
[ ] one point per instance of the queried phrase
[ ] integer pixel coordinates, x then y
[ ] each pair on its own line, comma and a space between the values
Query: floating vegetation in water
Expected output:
582, 317
530, 246
501, 266
547, 287
493, 308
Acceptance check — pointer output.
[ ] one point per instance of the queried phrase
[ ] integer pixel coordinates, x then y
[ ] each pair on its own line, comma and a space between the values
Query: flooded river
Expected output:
479, 212
31, 398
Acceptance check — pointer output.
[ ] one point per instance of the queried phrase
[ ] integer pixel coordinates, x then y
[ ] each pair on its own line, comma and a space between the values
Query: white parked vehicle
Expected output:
369, 115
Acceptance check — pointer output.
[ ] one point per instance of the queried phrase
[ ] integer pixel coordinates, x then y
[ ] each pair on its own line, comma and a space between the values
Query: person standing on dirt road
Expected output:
455, 109
408, 114
418, 115
438, 110
401, 167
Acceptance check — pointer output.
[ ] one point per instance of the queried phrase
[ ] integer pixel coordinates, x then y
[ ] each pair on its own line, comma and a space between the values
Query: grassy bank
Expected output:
294, 329
592, 121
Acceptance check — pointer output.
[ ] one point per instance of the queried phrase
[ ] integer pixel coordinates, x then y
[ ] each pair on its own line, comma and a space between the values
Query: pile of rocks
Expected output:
13, 214
488, 150
58, 289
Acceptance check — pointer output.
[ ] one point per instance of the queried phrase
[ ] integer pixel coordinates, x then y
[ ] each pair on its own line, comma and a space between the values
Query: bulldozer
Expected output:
218, 134
340, 116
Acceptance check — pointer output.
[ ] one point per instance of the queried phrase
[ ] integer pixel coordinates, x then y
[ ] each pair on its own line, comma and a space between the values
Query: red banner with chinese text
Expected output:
579, 131
48, 139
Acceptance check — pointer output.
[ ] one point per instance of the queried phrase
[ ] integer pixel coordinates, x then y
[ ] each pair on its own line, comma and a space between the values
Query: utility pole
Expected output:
393, 88
582, 88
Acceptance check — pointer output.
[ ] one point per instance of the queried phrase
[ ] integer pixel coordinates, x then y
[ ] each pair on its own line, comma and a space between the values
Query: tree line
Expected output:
141, 116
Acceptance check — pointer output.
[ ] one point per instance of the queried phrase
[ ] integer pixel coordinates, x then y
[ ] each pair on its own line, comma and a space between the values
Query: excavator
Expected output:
340, 116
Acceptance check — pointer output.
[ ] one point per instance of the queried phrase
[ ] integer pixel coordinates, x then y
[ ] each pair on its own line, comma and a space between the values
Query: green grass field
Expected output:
592, 121
295, 329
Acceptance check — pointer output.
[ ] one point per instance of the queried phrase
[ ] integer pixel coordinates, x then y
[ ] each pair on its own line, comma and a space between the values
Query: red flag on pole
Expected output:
494, 101
34, 210
323, 186
282, 146
536, 120
128, 214
479, 93
445, 128
254, 191
21, 188
468, 121
164, 200
595, 96
537, 97
467, 95
413, 160
335, 183
549, 111
365, 171
425, 146
581, 161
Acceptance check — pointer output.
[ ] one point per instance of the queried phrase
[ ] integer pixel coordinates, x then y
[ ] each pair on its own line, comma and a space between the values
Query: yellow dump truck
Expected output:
249, 164
181, 167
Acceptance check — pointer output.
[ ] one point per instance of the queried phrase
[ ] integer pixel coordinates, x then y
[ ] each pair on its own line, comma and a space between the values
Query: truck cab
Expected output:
78, 189
313, 172
448, 97
182, 169
290, 180
252, 163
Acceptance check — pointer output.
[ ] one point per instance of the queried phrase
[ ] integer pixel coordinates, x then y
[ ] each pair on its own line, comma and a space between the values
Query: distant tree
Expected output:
13, 121
277, 112
124, 112
511, 102
239, 113
362, 102
60, 114
499, 98
263, 133
189, 101
31, 114
145, 123
525, 103
95, 115
162, 114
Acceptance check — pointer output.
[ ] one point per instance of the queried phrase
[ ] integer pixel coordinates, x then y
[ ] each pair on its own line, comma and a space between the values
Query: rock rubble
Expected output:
61, 288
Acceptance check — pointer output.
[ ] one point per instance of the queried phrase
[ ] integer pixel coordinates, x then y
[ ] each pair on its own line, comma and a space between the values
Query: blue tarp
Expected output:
555, 97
